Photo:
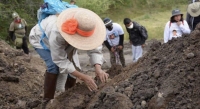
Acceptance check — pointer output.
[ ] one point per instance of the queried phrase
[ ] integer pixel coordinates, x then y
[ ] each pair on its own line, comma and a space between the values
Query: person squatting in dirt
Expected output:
176, 23
18, 31
137, 37
72, 29
114, 42
193, 14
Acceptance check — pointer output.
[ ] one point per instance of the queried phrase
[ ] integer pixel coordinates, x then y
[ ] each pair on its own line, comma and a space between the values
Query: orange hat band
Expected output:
71, 27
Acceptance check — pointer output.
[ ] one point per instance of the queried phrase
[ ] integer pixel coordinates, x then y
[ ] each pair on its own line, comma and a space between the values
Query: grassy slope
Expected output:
152, 17
153, 21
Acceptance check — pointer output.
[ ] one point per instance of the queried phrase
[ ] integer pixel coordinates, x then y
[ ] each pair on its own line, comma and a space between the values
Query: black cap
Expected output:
107, 21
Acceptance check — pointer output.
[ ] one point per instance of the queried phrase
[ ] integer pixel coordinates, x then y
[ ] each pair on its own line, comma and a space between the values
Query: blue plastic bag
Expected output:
51, 7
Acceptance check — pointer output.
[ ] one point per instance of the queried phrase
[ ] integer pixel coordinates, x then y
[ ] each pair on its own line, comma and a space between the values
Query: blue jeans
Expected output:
46, 56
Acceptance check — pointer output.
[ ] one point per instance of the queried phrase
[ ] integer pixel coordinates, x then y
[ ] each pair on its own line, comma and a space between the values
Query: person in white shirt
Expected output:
176, 23
114, 42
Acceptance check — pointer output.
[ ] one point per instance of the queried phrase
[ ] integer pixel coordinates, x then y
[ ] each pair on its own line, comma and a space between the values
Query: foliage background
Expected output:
117, 10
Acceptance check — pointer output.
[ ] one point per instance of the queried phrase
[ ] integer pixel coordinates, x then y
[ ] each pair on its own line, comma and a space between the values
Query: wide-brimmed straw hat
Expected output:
81, 28
194, 9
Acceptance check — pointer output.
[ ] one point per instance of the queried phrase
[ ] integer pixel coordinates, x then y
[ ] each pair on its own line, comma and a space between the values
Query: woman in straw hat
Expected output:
72, 29
176, 23
193, 14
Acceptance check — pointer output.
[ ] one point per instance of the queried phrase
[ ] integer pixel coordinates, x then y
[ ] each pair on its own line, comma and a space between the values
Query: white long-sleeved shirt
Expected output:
182, 29
63, 54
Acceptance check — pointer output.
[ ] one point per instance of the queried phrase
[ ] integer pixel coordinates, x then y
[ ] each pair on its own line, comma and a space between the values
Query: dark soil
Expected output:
20, 81
167, 77
115, 70
79, 96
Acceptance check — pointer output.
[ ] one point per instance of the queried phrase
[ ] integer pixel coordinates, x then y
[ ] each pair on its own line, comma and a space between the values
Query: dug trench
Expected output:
167, 77
22, 77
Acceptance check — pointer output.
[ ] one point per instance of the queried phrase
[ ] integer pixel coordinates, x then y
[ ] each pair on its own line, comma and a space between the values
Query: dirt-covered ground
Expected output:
21, 79
167, 77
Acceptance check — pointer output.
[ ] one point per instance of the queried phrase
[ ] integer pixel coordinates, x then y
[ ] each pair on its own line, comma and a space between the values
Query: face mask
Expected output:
109, 27
18, 20
131, 26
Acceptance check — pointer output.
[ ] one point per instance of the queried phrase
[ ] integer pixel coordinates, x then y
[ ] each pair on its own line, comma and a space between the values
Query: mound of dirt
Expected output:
79, 96
167, 77
21, 79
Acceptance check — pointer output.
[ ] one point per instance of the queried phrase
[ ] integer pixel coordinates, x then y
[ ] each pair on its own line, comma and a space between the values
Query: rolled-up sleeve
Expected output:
96, 56
58, 53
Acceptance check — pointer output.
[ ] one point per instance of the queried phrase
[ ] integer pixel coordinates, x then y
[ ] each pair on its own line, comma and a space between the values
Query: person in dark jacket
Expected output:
193, 14
114, 42
137, 37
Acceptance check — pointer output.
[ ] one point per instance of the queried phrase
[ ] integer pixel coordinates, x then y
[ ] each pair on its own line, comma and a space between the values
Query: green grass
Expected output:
154, 22
153, 14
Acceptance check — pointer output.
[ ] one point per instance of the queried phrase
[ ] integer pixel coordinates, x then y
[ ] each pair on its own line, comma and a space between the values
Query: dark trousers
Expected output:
24, 45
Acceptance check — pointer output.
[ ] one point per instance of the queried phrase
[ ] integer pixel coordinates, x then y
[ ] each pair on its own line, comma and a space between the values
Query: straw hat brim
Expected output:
193, 14
78, 41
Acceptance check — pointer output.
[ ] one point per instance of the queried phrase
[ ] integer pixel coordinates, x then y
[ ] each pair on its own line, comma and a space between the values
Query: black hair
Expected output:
172, 19
127, 21
72, 1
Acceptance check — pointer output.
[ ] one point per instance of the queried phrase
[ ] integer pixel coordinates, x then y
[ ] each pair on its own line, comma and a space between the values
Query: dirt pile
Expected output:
21, 79
167, 77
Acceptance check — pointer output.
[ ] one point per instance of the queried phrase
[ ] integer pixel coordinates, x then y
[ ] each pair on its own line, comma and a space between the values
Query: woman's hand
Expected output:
130, 42
90, 83
120, 47
179, 23
88, 80
112, 49
101, 74
143, 45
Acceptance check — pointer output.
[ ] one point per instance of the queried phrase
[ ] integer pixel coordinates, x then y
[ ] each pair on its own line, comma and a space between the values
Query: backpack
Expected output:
142, 30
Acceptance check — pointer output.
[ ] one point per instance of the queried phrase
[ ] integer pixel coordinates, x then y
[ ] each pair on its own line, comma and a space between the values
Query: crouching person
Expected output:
114, 42
72, 29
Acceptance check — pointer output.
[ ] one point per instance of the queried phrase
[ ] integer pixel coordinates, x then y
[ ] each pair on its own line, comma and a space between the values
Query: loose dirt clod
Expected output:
10, 79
